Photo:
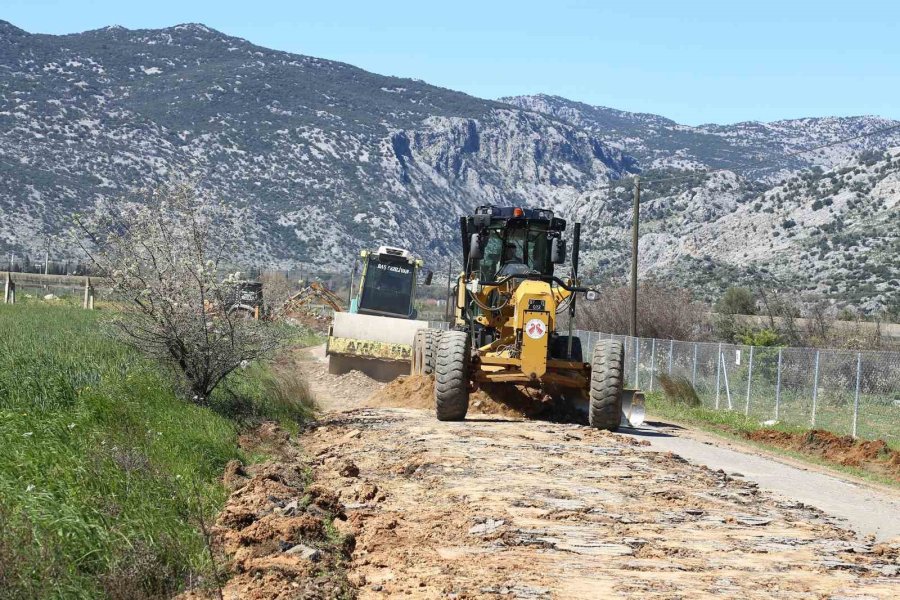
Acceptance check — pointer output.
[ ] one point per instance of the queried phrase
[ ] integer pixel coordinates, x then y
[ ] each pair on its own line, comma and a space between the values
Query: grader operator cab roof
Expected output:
485, 215
509, 236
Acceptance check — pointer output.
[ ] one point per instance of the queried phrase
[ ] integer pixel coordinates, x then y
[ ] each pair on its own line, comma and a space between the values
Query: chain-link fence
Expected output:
843, 391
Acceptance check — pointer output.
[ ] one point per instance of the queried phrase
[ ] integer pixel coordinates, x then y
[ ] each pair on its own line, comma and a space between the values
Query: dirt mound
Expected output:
871, 455
276, 532
417, 391
413, 391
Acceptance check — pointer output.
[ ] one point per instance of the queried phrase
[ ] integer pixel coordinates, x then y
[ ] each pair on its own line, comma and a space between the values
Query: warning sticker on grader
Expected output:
535, 328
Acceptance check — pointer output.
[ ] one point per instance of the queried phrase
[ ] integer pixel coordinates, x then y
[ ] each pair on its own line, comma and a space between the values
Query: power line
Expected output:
788, 155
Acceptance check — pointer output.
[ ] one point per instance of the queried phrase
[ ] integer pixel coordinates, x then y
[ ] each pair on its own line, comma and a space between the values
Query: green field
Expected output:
104, 471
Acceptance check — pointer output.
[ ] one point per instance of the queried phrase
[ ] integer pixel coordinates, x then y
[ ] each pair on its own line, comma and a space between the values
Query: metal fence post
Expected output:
778, 387
856, 396
725, 377
671, 353
718, 373
694, 372
749, 379
8, 290
652, 361
637, 362
815, 391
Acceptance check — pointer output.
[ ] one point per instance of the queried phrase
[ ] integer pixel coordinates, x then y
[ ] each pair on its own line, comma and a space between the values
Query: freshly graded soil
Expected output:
417, 391
502, 506
393, 503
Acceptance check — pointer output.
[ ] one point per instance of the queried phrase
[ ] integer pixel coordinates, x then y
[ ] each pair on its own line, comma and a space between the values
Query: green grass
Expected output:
103, 469
734, 425
878, 415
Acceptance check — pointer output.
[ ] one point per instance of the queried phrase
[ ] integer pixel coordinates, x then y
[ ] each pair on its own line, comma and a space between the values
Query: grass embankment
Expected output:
873, 460
104, 471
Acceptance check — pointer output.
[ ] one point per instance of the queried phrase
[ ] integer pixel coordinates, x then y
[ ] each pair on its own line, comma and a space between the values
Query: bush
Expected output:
737, 301
165, 258
663, 312
678, 390
757, 337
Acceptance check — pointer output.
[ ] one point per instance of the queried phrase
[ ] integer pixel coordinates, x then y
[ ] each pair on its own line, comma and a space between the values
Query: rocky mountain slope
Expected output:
821, 234
322, 158
763, 151
822, 224
327, 157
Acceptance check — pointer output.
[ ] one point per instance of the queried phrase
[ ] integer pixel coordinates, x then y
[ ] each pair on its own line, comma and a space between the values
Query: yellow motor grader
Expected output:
506, 326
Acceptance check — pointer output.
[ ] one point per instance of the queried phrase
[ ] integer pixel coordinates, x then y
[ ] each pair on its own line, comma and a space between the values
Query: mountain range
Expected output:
322, 158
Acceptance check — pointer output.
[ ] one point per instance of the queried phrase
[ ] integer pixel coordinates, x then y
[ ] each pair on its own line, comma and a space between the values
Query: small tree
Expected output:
737, 301
166, 256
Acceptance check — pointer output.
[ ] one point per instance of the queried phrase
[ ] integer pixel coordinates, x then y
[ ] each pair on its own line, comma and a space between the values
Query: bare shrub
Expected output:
663, 312
166, 256
819, 323
138, 572
678, 390
277, 289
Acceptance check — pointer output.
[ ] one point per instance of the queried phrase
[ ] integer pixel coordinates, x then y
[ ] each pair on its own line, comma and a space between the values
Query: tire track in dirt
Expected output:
495, 508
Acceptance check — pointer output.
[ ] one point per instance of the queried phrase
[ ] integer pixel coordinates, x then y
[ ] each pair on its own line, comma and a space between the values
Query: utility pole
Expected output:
634, 253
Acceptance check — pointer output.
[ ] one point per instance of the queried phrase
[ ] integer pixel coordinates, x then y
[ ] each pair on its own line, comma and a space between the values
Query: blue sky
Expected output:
695, 62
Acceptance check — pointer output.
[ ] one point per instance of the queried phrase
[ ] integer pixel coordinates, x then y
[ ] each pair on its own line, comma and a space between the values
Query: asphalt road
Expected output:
867, 509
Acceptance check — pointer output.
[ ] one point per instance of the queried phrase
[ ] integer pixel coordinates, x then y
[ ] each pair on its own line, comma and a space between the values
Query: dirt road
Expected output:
494, 508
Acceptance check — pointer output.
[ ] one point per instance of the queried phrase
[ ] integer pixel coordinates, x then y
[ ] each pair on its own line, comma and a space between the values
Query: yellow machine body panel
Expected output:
525, 324
534, 320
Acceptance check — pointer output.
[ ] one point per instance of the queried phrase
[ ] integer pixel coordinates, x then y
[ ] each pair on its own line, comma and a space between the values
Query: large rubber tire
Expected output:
451, 377
431, 339
607, 369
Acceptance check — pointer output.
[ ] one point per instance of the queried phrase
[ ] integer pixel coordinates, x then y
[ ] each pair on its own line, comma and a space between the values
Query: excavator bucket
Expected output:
379, 346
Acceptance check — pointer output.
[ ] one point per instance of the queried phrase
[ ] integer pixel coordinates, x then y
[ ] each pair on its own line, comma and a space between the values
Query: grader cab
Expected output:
506, 328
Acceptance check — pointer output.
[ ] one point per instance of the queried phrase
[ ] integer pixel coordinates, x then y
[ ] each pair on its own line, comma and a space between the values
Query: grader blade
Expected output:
633, 410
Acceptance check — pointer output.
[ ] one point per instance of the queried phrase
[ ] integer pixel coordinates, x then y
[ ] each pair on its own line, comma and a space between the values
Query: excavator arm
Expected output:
300, 301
